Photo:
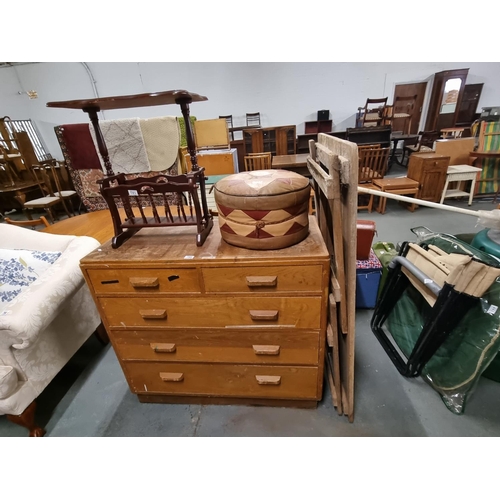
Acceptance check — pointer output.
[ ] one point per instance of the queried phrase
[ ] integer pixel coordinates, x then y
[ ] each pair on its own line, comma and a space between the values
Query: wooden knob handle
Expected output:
266, 350
171, 377
153, 313
264, 315
258, 281
144, 282
163, 347
268, 379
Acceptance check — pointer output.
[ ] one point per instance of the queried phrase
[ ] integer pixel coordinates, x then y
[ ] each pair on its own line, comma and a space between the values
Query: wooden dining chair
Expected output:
60, 175
263, 153
374, 112
253, 119
373, 162
28, 223
403, 108
229, 121
257, 162
423, 144
49, 200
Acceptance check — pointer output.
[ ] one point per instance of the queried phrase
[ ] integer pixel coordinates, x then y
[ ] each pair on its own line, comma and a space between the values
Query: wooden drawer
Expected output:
198, 379
170, 280
263, 279
212, 312
256, 347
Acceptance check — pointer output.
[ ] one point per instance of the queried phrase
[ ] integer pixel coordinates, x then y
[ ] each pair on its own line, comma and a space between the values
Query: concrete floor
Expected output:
90, 397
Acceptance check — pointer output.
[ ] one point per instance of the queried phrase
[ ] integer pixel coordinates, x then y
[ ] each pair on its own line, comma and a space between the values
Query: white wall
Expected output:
284, 93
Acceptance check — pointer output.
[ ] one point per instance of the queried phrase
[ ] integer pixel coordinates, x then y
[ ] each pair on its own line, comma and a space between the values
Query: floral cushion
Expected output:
20, 268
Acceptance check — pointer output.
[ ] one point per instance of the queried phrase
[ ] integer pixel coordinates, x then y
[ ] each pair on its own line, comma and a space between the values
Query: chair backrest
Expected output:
362, 147
413, 141
229, 120
427, 138
43, 180
372, 163
253, 119
258, 162
59, 172
28, 223
374, 112
404, 104
26, 149
262, 154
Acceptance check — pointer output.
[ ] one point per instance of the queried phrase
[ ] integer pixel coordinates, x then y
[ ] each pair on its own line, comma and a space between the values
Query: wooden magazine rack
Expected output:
162, 191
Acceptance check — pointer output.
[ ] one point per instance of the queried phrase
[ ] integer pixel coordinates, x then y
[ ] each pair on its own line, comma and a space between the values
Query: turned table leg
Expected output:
27, 419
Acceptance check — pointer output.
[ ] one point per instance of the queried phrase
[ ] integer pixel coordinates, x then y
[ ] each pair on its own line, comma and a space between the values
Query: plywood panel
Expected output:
216, 162
211, 133
457, 149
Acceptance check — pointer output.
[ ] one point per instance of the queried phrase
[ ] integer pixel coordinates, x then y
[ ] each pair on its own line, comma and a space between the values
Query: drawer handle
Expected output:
171, 377
163, 347
264, 315
153, 313
268, 379
255, 281
267, 350
144, 282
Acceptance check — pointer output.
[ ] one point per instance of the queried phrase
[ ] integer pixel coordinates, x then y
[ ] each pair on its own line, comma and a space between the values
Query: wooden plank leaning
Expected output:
329, 213
332, 354
345, 165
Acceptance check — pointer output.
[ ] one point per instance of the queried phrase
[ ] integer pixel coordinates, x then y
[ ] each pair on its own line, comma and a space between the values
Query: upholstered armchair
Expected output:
46, 314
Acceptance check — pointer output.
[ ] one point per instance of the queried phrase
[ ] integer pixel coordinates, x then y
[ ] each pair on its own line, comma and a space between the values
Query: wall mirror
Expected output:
450, 95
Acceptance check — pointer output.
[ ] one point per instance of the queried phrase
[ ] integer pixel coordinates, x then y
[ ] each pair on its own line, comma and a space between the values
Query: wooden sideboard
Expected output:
275, 140
217, 323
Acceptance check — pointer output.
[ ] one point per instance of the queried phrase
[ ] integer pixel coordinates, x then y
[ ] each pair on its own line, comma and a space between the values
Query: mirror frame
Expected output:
438, 85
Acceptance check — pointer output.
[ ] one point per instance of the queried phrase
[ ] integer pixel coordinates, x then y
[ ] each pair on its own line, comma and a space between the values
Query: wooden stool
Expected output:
396, 185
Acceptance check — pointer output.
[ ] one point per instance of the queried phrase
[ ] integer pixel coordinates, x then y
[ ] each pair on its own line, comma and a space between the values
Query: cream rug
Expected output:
125, 143
162, 140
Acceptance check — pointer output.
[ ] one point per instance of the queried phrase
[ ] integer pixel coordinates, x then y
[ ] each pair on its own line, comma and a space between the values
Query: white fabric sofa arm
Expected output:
15, 237
35, 307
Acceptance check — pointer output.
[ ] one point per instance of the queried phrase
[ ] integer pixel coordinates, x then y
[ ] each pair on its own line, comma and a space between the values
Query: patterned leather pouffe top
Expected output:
263, 209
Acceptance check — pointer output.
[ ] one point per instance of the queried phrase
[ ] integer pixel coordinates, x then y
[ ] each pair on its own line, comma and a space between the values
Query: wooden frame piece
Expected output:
333, 165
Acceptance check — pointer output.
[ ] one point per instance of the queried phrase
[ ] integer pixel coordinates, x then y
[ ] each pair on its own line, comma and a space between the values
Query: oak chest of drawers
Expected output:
217, 323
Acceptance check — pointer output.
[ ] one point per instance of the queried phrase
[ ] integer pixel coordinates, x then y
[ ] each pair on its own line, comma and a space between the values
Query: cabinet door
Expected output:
286, 140
253, 141
269, 140
433, 179
468, 106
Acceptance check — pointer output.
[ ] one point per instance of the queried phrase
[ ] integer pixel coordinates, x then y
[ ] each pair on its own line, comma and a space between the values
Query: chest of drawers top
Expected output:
176, 247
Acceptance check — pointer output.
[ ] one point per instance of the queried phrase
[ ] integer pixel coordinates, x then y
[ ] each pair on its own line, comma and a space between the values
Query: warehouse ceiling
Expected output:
10, 64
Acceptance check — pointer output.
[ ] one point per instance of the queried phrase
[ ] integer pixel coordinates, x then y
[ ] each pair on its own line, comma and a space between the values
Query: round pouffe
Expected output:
263, 209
